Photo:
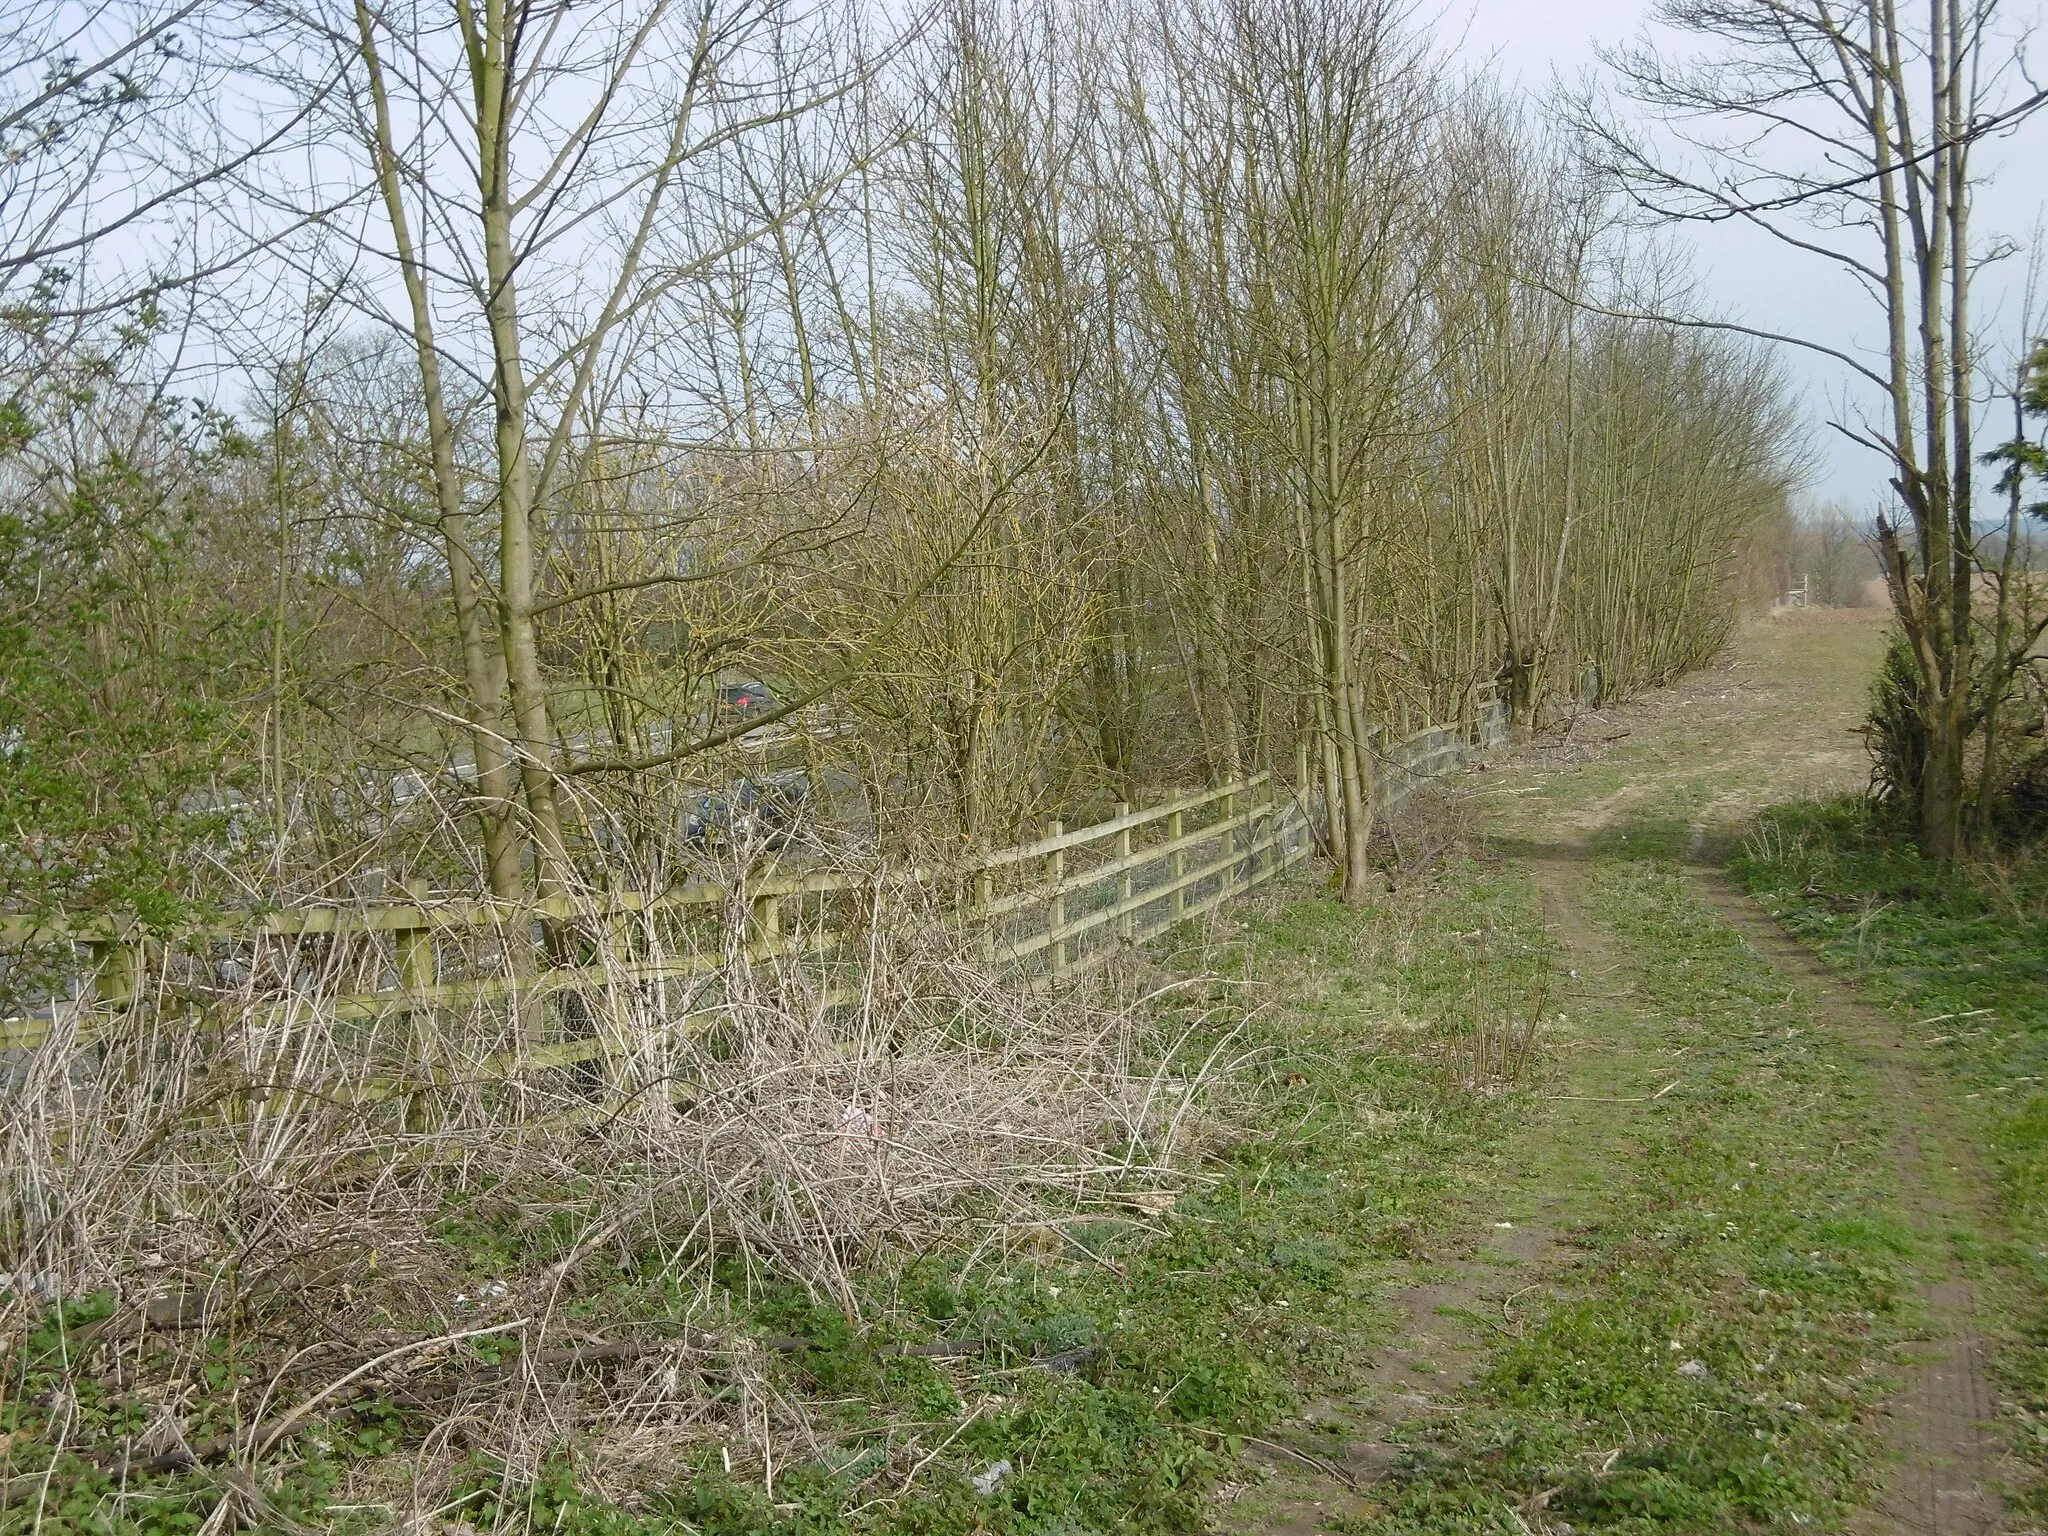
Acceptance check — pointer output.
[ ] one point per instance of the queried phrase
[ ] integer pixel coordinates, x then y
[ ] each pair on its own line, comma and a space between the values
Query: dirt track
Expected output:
1946, 1455
1683, 770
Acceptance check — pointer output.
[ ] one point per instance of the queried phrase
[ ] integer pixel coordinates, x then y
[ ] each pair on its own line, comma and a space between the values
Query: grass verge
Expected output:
1712, 1367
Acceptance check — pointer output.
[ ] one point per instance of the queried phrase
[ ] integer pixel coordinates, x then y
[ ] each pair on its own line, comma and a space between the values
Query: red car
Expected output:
741, 701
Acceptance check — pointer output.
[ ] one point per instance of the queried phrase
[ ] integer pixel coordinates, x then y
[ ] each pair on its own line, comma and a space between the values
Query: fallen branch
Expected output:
357, 1384
1329, 1469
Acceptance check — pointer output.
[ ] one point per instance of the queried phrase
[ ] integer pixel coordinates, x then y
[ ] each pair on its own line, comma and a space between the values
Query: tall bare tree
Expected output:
1849, 133
541, 172
1338, 128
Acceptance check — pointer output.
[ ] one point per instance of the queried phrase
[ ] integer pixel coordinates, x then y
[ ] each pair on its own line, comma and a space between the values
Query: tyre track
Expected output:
1945, 1450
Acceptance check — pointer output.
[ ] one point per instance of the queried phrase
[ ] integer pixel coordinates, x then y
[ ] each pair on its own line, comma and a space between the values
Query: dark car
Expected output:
746, 813
741, 701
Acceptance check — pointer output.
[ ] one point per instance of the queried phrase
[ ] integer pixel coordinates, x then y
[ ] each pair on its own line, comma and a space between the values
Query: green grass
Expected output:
1731, 1331
1747, 1218
1961, 954
1264, 1288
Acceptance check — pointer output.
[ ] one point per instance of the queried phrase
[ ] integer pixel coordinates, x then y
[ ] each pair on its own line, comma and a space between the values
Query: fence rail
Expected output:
1061, 903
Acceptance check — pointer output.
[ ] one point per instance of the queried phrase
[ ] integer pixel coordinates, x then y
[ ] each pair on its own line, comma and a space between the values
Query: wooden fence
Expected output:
1054, 905
1062, 903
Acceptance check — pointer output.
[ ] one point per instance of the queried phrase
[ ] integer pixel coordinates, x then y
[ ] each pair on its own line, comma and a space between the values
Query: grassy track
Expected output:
1766, 1278
1739, 1278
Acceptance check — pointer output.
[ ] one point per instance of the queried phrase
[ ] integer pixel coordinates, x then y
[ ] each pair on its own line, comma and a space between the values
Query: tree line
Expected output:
1050, 403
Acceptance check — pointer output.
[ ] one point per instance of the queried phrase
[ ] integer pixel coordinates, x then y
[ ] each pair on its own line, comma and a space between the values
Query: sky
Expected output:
1746, 276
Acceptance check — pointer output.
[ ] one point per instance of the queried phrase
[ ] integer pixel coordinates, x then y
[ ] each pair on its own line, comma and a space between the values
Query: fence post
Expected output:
1229, 839
114, 967
616, 949
417, 971
615, 955
764, 922
985, 893
1126, 925
1179, 865
1301, 794
1056, 871
1262, 832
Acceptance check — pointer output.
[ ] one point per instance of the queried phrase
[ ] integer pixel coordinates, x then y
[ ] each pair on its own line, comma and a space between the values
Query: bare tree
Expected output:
1092, 407
1848, 133
124, 126
1339, 122
1521, 224
546, 178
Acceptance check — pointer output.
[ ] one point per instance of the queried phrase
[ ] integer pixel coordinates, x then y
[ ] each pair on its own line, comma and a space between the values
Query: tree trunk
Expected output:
533, 733
482, 668
1941, 794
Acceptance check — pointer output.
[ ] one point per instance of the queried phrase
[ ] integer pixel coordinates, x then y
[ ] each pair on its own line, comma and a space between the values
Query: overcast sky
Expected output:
1753, 278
